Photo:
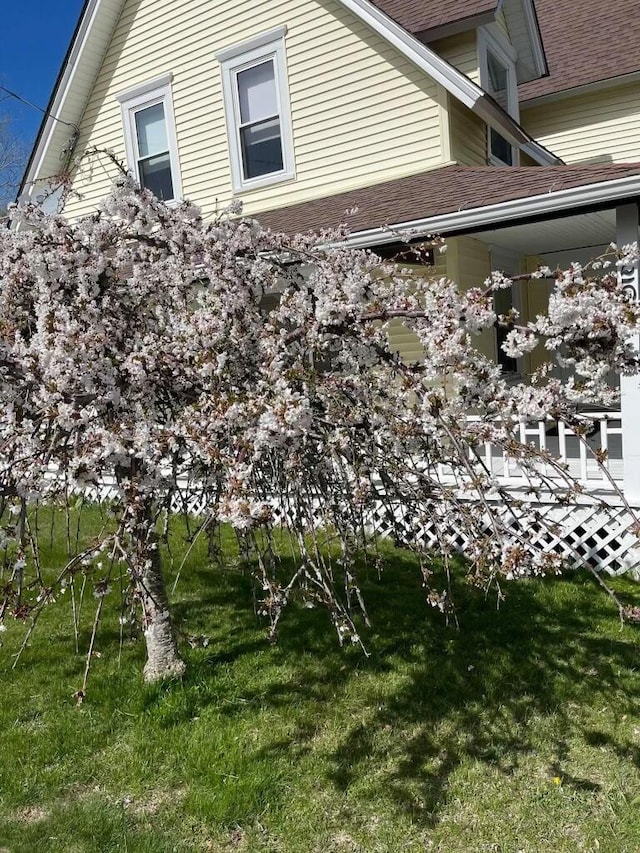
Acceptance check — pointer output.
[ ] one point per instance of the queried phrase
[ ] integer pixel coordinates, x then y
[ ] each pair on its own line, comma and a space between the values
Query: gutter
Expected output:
505, 213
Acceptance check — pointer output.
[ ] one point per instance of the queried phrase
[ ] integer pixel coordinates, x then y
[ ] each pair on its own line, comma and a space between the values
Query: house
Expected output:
503, 125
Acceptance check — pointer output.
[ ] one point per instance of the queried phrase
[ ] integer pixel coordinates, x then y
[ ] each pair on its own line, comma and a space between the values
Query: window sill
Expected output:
266, 181
496, 161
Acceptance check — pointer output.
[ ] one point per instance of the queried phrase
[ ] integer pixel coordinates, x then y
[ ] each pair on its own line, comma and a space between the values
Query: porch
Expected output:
516, 219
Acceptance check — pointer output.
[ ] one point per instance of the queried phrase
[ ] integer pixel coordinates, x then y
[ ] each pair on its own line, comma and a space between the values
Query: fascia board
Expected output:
590, 195
426, 59
454, 81
78, 53
537, 46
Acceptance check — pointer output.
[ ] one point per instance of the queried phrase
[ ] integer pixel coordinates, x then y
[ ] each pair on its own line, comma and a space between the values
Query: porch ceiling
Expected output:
571, 233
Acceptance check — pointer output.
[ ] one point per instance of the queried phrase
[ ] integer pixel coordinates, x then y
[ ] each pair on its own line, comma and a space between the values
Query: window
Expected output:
256, 103
498, 78
150, 137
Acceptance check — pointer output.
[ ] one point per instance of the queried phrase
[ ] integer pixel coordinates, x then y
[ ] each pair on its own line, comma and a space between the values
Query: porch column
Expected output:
627, 231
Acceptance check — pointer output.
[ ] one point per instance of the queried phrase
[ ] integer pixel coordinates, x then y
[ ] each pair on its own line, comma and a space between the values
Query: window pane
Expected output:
498, 80
261, 148
155, 175
151, 130
257, 93
500, 148
497, 73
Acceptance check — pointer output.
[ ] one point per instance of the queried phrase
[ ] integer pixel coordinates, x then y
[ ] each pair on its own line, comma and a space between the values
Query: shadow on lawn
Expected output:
442, 696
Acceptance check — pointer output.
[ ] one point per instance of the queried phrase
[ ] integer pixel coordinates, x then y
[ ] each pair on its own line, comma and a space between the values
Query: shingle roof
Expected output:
585, 42
420, 16
439, 191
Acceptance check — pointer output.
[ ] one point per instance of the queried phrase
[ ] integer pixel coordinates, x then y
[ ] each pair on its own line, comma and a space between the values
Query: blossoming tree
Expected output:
147, 347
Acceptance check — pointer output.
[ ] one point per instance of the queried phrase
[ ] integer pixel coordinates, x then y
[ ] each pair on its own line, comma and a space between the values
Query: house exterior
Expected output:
503, 125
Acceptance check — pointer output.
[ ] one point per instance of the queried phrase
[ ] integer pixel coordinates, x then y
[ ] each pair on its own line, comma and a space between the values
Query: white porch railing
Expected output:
598, 527
594, 459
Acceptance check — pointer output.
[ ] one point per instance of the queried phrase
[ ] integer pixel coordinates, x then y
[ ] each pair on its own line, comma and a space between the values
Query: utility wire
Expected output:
10, 94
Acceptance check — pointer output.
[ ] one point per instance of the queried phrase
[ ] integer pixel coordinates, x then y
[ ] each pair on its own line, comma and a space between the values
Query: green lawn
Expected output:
520, 732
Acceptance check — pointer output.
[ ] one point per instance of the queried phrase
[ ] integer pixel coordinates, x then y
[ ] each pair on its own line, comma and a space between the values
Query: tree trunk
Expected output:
163, 658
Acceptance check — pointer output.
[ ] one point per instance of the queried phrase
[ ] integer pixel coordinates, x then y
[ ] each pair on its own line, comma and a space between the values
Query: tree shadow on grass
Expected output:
429, 698
474, 693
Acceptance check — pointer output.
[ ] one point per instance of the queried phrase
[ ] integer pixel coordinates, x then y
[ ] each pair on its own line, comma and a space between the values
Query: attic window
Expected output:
256, 103
498, 77
150, 137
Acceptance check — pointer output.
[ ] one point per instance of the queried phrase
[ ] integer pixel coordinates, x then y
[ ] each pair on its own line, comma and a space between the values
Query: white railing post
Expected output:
626, 233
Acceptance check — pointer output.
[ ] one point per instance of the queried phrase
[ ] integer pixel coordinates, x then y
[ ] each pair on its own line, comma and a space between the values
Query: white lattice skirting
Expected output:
598, 535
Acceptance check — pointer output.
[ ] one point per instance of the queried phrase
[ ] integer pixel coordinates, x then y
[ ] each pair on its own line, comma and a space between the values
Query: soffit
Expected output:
585, 43
578, 235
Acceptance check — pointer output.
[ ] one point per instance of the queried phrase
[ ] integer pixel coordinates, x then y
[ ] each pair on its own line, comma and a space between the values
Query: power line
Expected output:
11, 94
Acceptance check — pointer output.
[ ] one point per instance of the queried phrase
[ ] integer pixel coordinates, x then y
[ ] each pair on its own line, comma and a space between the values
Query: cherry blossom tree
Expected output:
148, 348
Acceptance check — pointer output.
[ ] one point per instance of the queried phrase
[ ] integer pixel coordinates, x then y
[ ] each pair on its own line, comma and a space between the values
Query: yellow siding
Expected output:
468, 135
536, 301
403, 340
526, 160
469, 264
360, 111
597, 127
461, 52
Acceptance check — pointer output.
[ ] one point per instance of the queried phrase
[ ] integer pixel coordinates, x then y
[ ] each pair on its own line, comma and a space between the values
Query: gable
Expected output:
359, 110
57, 136
190, 34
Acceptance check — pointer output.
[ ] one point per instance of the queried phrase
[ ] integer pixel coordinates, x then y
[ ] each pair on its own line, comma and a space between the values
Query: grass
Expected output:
520, 732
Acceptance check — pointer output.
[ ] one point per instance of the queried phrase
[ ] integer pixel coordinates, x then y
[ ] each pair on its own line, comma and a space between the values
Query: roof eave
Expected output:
454, 81
583, 198
541, 68
60, 109
585, 88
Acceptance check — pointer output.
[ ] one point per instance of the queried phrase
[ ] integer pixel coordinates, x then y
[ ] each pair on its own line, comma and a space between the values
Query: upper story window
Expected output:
150, 137
498, 78
256, 102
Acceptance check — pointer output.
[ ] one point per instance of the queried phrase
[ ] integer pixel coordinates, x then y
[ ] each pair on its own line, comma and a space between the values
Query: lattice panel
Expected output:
597, 534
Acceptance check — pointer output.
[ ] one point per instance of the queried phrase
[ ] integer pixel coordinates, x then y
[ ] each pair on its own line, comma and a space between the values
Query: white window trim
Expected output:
146, 95
267, 45
494, 41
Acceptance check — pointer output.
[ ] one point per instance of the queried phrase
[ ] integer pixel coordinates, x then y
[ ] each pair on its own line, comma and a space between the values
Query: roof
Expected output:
420, 16
585, 42
430, 20
454, 197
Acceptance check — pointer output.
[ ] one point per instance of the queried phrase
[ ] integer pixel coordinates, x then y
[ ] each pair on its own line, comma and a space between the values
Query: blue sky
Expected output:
34, 36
